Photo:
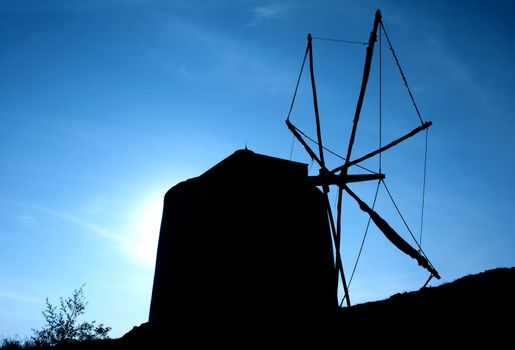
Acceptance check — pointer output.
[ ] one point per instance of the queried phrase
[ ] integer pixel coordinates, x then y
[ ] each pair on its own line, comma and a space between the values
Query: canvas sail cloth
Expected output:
247, 239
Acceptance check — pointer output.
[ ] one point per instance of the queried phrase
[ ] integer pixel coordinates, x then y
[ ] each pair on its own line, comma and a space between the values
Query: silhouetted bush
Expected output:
62, 325
11, 344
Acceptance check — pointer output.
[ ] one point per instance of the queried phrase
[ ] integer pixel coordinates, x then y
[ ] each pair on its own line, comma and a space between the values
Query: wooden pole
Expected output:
366, 73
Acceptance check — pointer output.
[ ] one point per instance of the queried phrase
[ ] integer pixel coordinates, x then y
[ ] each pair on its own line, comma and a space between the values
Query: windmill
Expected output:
340, 176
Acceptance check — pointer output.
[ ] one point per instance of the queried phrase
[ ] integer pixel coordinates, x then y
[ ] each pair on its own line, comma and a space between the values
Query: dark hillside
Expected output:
473, 310
480, 306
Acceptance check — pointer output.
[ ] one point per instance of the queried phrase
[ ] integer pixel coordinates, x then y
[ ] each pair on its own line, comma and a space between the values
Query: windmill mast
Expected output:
340, 177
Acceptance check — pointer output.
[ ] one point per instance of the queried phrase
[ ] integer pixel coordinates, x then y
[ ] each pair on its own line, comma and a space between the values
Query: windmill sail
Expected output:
340, 176
393, 236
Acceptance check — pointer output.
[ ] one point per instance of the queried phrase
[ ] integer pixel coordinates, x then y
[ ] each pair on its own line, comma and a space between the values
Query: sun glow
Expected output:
143, 246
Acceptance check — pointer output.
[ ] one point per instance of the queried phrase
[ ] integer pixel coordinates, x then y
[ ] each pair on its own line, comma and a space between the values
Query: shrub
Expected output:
11, 343
62, 325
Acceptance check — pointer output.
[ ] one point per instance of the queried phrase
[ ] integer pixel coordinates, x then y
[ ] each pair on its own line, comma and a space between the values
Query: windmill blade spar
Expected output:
340, 180
308, 149
366, 73
412, 133
393, 236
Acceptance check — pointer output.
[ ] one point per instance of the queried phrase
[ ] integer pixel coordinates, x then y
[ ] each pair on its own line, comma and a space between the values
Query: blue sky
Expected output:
107, 104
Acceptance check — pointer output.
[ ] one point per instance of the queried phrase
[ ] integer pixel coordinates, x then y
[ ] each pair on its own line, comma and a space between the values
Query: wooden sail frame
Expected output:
339, 176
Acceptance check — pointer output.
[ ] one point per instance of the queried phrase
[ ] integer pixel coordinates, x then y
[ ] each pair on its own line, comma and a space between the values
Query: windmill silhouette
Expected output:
340, 176
255, 237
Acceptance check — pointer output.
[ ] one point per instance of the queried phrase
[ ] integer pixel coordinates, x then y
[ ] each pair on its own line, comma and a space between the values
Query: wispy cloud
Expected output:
268, 12
457, 70
79, 221
87, 225
224, 58
27, 220
134, 235
17, 297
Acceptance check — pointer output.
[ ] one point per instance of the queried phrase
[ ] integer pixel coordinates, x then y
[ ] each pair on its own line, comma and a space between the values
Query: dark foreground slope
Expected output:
473, 310
474, 307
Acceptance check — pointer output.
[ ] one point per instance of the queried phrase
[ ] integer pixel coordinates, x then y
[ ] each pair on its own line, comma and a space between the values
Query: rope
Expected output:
402, 217
402, 73
427, 282
292, 144
340, 40
332, 152
335, 199
298, 82
380, 159
423, 189
310, 165
380, 99
420, 250
362, 242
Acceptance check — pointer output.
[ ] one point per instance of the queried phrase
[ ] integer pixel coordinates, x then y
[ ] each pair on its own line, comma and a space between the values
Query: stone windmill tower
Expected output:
247, 239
